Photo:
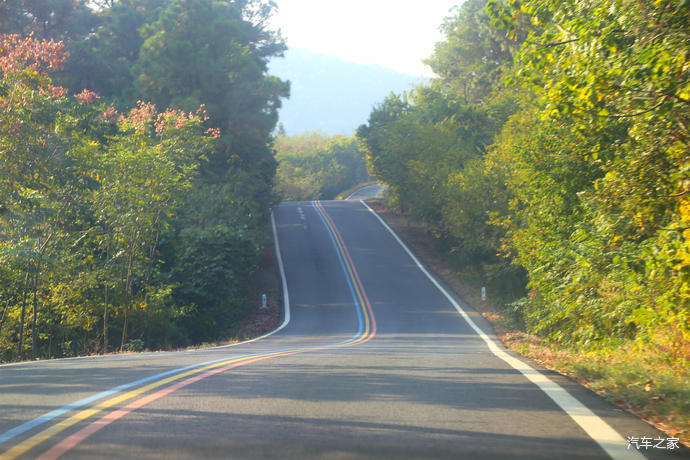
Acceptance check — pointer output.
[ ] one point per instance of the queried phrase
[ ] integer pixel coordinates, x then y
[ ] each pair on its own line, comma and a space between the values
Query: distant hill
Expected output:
330, 95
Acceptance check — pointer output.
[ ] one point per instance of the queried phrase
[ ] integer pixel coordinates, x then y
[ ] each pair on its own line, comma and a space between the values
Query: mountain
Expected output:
330, 95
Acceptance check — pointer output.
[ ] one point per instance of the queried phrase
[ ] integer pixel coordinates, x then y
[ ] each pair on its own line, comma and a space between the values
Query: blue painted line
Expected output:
360, 319
45, 418
23, 428
83, 402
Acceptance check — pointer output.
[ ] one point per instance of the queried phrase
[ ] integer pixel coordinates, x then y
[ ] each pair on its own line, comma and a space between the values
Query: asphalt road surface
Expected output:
367, 192
373, 360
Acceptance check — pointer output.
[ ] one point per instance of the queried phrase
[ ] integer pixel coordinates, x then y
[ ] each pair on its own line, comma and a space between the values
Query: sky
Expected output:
397, 34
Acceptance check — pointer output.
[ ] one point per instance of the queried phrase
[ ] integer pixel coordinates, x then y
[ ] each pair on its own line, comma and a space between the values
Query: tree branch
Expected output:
551, 45
675, 195
630, 115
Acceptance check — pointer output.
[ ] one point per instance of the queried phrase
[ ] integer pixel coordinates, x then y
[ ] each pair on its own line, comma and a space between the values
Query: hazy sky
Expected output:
393, 33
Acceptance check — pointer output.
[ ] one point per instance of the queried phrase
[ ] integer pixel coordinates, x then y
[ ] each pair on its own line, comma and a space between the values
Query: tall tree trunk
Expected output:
124, 327
35, 309
128, 292
107, 292
105, 321
147, 279
21, 320
4, 314
41, 251
52, 331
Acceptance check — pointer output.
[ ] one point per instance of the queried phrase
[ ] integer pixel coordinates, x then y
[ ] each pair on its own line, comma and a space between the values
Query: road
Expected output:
373, 360
367, 192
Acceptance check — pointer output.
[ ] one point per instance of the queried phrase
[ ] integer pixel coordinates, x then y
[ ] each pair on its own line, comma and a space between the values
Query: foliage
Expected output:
556, 136
113, 213
210, 274
473, 56
429, 147
612, 79
62, 20
215, 54
102, 61
314, 166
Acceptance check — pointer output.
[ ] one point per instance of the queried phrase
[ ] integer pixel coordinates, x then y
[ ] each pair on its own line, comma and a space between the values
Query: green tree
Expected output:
102, 61
211, 274
86, 196
215, 53
314, 166
65, 20
611, 89
474, 55
37, 186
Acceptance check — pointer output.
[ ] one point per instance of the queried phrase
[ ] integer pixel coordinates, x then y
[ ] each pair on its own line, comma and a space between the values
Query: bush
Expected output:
211, 272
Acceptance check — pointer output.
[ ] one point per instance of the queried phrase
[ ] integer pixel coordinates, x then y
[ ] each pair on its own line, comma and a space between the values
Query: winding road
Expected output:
367, 192
374, 358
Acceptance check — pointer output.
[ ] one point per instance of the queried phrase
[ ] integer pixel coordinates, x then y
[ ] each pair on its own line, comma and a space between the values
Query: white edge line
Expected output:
6, 436
350, 195
286, 297
283, 280
359, 189
600, 431
286, 320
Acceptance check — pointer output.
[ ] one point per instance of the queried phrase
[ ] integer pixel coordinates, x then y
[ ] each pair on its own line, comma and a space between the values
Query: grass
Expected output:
639, 380
635, 379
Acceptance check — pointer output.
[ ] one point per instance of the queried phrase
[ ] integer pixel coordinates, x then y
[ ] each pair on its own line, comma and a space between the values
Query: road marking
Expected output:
193, 373
286, 297
72, 441
350, 272
23, 428
600, 431
59, 427
378, 194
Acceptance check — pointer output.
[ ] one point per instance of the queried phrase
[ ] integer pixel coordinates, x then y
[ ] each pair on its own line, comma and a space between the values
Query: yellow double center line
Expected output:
365, 334
352, 275
85, 414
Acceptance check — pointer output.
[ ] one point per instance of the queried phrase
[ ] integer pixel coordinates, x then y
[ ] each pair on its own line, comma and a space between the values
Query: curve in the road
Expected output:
45, 418
190, 374
433, 383
367, 192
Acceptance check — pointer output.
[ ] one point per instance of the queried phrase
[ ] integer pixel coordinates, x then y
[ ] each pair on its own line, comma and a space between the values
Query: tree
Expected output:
215, 53
313, 166
37, 185
86, 195
610, 84
103, 60
474, 55
65, 20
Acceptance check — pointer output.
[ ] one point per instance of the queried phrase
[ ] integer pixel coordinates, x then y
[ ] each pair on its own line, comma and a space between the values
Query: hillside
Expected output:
330, 95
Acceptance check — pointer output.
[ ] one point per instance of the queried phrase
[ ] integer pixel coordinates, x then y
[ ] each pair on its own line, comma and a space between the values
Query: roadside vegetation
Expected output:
314, 166
549, 161
135, 174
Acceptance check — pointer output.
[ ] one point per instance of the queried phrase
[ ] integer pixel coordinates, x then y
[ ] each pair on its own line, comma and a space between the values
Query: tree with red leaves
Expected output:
84, 195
